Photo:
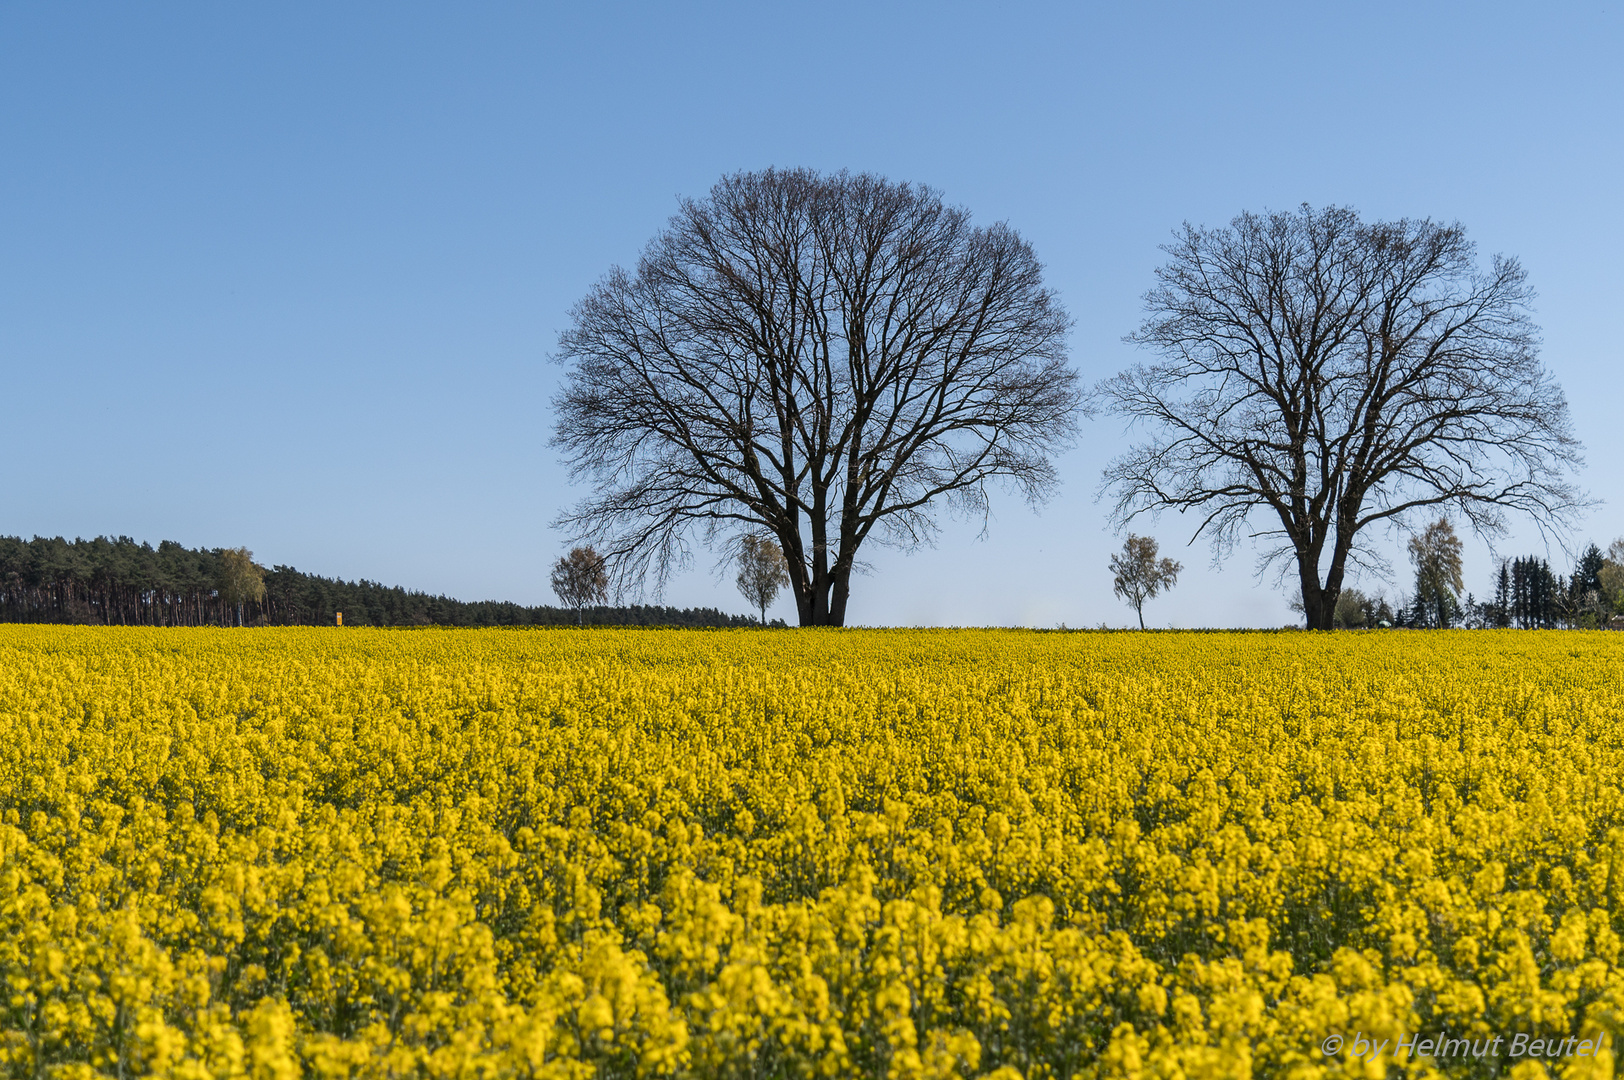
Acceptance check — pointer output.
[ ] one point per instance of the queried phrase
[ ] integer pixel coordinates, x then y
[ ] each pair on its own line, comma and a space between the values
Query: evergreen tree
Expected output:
1587, 604
1501, 609
1587, 575
1535, 594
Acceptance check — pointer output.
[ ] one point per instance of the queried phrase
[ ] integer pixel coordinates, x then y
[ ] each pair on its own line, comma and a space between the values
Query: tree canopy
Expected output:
824, 358
1436, 554
579, 579
240, 581
1316, 375
761, 571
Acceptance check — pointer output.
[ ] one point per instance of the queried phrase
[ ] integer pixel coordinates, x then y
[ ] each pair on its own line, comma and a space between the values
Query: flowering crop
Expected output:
920, 854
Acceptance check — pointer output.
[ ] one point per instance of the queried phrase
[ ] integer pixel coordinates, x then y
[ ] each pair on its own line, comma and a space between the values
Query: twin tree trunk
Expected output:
820, 597
1319, 599
1319, 602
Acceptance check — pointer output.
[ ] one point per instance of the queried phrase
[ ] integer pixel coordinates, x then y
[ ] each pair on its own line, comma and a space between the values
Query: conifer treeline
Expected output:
1529, 596
119, 582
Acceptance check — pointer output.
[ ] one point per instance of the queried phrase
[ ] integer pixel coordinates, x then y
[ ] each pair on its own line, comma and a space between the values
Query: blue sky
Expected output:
288, 276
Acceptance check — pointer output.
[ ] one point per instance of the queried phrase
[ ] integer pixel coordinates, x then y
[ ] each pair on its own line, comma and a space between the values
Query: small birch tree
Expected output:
1140, 575
240, 580
762, 572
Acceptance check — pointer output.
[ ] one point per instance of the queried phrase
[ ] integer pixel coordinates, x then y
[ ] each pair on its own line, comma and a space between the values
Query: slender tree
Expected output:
1327, 375
1139, 575
1501, 612
824, 358
240, 580
1611, 577
761, 571
581, 578
1436, 553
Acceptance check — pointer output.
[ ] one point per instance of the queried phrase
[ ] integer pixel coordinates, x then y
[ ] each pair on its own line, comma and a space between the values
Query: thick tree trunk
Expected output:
842, 593
1319, 605
822, 600
1319, 601
821, 590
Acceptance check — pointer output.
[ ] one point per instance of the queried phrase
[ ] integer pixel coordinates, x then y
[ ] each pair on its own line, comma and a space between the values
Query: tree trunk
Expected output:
1319, 605
822, 600
842, 593
820, 590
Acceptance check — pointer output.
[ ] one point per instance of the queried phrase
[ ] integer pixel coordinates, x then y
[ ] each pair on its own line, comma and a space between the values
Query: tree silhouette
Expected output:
1327, 375
825, 358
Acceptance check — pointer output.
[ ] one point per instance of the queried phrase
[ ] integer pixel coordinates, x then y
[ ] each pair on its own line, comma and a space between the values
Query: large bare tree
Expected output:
1317, 375
821, 357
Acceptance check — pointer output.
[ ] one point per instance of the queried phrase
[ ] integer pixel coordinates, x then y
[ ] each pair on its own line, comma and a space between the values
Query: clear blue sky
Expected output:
287, 276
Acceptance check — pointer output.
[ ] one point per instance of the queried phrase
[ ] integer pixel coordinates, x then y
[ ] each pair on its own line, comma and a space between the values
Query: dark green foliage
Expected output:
1535, 593
1587, 575
118, 582
1499, 612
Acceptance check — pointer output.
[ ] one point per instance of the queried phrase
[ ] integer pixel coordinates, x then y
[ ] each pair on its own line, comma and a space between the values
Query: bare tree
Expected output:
1329, 375
821, 357
1140, 575
581, 578
761, 571
240, 580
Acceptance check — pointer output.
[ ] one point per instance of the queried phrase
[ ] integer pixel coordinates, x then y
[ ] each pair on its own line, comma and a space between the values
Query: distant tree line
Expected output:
118, 582
1526, 593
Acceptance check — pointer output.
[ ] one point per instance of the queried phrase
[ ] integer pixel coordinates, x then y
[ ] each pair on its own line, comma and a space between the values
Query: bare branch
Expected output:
820, 358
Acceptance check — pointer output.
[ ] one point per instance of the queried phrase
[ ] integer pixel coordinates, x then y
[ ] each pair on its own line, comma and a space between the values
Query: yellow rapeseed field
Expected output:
321, 852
